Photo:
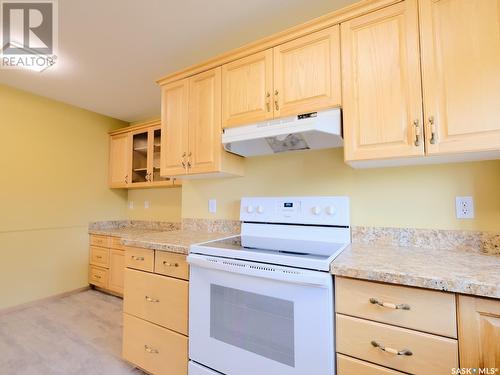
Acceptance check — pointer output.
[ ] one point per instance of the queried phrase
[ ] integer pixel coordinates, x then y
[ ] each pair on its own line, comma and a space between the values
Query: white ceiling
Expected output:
111, 52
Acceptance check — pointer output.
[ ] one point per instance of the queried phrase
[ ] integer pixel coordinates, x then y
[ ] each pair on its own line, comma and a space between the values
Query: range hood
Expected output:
312, 131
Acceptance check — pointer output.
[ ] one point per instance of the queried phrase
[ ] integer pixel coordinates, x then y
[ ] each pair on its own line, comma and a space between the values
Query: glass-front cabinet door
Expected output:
146, 149
155, 135
140, 156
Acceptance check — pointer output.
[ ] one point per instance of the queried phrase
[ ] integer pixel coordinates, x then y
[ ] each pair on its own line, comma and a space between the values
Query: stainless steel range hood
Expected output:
308, 131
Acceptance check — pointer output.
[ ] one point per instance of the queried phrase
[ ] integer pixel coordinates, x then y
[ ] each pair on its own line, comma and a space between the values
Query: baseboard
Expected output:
54, 297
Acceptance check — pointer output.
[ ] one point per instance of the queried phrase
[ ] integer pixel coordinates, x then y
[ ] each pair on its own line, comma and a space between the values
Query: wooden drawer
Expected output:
158, 299
429, 311
98, 240
98, 276
430, 354
99, 256
171, 264
351, 366
155, 349
116, 243
140, 259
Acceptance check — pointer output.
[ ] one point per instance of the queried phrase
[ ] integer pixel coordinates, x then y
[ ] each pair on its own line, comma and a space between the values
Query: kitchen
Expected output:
317, 197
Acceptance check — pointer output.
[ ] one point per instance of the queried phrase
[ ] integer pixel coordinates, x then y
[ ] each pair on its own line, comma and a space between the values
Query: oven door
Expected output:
249, 318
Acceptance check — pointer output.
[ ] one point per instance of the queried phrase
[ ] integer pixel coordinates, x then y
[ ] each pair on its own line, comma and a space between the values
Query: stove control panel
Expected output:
297, 210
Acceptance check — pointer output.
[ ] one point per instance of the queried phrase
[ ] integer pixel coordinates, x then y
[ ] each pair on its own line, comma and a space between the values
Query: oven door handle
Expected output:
262, 270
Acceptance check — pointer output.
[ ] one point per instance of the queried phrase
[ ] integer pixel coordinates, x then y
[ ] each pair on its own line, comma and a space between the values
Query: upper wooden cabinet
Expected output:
382, 105
247, 85
191, 118
174, 119
302, 75
307, 73
135, 157
479, 332
119, 160
461, 74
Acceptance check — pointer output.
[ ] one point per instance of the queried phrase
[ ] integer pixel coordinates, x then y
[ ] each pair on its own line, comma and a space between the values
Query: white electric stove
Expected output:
262, 302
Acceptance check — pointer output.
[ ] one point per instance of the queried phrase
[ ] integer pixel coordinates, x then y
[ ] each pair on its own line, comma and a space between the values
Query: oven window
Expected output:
260, 324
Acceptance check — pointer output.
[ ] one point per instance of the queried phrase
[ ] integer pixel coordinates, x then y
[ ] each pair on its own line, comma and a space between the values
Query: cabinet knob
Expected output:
276, 105
268, 101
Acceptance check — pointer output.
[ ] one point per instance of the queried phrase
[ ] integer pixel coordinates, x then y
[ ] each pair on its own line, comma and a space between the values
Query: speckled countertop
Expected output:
123, 232
457, 271
177, 241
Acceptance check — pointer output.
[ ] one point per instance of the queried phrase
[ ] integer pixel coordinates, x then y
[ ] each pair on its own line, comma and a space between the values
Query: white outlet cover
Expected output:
131, 205
212, 206
464, 207
147, 204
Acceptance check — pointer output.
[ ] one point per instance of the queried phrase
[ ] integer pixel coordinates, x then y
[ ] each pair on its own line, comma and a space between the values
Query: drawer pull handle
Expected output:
391, 350
137, 258
401, 306
168, 264
150, 350
149, 299
98, 257
97, 276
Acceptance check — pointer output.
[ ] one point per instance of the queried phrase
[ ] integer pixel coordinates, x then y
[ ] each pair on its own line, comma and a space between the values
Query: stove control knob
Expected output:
249, 209
316, 210
260, 209
330, 210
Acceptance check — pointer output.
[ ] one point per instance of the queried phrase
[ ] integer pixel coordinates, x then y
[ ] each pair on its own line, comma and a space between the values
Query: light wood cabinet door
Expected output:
479, 332
246, 89
116, 270
381, 84
119, 160
205, 131
157, 350
174, 128
307, 73
461, 74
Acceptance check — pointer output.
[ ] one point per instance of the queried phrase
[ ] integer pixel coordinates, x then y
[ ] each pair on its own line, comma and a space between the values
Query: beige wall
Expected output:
418, 196
164, 204
53, 178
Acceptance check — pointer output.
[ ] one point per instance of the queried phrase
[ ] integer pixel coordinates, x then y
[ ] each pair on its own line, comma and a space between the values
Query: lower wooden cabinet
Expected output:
479, 332
384, 329
153, 348
158, 299
106, 263
155, 307
379, 343
116, 268
352, 366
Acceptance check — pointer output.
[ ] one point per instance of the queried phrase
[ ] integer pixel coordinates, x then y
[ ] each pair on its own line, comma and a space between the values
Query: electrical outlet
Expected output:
131, 205
147, 204
212, 206
465, 207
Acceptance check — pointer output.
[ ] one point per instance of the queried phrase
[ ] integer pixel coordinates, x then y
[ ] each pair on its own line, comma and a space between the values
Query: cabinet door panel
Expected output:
461, 74
479, 332
247, 89
174, 128
116, 270
205, 122
119, 160
381, 84
307, 73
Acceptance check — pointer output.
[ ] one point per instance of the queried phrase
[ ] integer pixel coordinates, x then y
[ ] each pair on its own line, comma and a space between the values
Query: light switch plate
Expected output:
131, 205
464, 207
147, 204
212, 206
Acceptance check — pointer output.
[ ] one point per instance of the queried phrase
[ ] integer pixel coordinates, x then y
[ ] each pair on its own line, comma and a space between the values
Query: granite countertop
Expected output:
457, 271
123, 232
177, 241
